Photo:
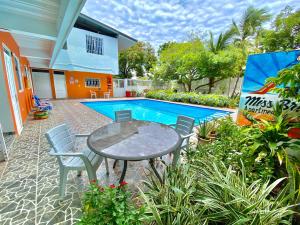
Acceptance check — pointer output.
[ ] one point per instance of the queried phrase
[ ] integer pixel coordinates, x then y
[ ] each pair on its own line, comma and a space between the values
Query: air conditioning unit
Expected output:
3, 149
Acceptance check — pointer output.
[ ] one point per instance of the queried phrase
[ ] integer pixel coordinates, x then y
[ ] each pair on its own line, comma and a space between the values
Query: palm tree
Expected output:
222, 42
248, 28
250, 25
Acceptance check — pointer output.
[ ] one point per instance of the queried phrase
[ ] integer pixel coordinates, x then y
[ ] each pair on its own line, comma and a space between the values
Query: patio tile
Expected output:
29, 180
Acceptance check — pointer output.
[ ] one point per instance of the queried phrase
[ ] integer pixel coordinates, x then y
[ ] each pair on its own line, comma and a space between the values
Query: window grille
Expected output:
94, 45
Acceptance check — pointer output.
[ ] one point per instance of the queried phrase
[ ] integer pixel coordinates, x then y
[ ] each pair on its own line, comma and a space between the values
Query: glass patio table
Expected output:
134, 141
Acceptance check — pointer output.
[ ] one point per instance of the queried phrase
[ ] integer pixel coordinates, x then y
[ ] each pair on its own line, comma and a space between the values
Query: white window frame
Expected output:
99, 81
19, 74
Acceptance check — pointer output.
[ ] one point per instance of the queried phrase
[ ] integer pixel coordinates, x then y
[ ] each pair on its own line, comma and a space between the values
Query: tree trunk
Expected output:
189, 86
202, 85
210, 84
235, 86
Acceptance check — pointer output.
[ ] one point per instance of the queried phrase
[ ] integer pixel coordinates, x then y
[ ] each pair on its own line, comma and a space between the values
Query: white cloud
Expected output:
158, 21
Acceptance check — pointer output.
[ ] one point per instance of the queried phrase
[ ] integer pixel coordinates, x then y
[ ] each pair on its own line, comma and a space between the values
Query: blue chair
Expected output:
42, 105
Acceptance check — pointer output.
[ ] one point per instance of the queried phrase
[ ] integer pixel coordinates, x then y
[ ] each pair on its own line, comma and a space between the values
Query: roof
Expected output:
87, 23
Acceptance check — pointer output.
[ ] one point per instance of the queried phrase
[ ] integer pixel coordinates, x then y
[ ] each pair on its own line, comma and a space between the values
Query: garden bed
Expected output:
194, 98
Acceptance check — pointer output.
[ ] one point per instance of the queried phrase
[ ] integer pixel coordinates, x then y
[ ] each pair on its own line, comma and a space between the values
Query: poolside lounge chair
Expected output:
184, 126
42, 105
62, 142
122, 116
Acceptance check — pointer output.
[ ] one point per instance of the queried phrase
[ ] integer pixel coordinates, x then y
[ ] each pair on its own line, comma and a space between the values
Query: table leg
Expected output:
151, 162
123, 172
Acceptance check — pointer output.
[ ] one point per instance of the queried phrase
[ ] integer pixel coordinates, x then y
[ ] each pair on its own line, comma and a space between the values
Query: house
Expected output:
50, 49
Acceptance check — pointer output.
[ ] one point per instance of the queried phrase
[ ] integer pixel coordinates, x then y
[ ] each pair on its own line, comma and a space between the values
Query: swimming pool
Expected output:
156, 111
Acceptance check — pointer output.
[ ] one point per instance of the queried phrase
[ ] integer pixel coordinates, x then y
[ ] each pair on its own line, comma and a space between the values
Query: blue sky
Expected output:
158, 21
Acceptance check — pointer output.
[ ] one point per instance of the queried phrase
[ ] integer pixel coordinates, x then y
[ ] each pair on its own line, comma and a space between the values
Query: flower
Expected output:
92, 181
100, 188
112, 186
123, 183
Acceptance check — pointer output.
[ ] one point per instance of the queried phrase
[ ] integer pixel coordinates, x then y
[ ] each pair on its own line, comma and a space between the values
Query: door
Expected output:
60, 85
119, 88
13, 89
41, 84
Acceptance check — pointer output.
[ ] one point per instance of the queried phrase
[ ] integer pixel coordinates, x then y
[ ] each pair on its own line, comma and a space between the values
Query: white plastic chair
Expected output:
62, 142
107, 94
93, 94
184, 126
122, 116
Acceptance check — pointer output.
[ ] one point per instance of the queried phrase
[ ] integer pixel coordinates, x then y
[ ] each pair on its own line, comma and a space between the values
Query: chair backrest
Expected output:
61, 138
184, 125
37, 100
123, 116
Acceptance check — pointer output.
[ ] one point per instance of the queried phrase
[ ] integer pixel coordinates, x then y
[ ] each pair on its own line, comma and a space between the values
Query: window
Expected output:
19, 74
28, 76
92, 82
118, 83
94, 45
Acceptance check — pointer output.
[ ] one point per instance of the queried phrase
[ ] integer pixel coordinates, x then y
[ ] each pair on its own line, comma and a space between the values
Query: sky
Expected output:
159, 21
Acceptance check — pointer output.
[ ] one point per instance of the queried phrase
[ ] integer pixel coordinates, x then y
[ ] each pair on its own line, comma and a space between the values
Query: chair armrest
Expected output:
187, 136
78, 154
86, 161
82, 135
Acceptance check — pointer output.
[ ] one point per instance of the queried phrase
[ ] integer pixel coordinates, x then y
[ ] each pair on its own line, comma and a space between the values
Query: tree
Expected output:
181, 62
138, 59
250, 26
221, 65
222, 42
164, 46
286, 32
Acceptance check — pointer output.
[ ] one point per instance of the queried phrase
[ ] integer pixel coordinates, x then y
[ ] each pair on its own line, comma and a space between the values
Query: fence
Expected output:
225, 87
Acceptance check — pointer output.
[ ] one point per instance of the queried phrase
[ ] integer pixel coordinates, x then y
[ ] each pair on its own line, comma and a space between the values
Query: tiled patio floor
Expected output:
29, 180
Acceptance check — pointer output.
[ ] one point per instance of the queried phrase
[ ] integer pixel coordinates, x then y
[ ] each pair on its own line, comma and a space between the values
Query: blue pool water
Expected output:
156, 111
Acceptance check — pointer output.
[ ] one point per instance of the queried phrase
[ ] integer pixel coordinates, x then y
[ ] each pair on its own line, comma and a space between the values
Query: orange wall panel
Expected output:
76, 88
24, 96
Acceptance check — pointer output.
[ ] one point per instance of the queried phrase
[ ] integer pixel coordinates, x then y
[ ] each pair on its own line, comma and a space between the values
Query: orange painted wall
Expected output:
24, 96
75, 81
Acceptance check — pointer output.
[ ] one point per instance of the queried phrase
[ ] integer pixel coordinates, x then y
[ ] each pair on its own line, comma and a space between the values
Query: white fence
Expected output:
123, 85
225, 87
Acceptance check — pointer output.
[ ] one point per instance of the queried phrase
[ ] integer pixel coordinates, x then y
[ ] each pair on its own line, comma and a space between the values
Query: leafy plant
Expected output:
193, 98
110, 206
173, 201
205, 129
226, 198
211, 193
288, 82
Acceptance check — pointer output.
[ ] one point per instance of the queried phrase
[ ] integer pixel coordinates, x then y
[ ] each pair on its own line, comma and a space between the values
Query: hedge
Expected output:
193, 98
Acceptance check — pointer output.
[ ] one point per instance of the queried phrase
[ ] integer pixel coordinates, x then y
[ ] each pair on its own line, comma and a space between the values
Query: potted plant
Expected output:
128, 93
133, 93
40, 114
206, 132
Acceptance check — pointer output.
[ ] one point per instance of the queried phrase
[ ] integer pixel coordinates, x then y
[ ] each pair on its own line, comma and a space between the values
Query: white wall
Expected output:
6, 119
77, 59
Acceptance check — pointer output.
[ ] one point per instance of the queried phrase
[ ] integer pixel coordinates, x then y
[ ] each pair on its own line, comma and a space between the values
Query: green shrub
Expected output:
211, 193
230, 148
193, 98
109, 205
